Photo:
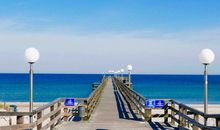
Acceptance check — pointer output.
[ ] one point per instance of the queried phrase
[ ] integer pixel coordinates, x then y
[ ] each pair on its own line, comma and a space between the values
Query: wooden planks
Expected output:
106, 115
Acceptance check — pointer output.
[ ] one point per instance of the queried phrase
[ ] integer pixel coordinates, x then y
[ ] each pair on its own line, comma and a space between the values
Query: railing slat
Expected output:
43, 118
51, 122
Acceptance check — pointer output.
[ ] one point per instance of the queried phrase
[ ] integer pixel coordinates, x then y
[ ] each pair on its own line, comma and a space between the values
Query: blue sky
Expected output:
113, 15
155, 36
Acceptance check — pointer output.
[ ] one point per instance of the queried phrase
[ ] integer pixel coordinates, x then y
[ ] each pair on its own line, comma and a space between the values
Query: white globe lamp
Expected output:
129, 67
206, 56
32, 55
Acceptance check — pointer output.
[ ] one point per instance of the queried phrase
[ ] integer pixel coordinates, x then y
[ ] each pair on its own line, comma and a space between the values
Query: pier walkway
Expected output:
112, 113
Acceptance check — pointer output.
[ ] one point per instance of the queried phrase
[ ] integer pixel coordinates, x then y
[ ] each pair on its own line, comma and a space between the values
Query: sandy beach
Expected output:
24, 106
212, 108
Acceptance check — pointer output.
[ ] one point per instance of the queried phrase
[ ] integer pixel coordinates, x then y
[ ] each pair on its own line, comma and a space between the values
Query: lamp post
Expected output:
31, 55
122, 71
119, 73
129, 67
103, 74
206, 57
115, 74
109, 73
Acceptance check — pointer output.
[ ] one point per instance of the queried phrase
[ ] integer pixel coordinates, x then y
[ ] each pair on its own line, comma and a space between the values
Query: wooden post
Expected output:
196, 118
184, 111
218, 122
86, 113
180, 118
131, 102
166, 113
39, 115
52, 117
65, 110
173, 114
147, 114
138, 105
59, 112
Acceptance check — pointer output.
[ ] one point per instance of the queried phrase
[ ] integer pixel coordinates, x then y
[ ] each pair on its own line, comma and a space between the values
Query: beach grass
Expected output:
4, 106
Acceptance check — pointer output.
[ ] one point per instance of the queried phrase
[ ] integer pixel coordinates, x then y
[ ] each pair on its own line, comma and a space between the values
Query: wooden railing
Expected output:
180, 114
93, 99
187, 117
136, 100
49, 115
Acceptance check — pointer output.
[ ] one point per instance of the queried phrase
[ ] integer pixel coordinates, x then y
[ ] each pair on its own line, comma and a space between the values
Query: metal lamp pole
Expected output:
129, 78
205, 92
31, 89
129, 67
206, 57
206, 89
31, 55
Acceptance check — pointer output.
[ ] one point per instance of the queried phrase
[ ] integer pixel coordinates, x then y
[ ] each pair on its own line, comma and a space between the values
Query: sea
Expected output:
48, 87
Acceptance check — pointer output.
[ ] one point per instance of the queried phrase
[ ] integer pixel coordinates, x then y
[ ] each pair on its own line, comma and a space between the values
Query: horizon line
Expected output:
108, 74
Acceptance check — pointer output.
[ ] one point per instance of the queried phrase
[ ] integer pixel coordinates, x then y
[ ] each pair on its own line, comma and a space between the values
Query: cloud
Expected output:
149, 51
22, 24
7, 25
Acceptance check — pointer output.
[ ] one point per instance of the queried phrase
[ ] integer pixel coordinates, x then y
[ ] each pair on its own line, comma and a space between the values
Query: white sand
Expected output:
212, 108
24, 106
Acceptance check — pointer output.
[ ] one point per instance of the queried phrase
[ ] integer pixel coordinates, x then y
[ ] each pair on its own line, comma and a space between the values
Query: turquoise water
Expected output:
184, 88
47, 87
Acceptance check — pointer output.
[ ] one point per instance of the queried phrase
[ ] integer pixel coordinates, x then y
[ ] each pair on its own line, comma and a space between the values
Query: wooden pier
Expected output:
112, 105
112, 113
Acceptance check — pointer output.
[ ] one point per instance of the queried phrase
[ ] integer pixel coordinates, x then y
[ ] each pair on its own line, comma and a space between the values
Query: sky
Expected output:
94, 36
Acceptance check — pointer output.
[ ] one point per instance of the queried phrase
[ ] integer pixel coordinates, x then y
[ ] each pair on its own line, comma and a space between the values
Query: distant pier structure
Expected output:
111, 105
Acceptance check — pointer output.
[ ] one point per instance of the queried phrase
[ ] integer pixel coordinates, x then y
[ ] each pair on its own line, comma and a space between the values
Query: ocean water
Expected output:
183, 88
47, 87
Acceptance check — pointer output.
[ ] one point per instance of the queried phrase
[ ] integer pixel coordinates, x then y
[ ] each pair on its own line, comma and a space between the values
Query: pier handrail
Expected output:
37, 116
185, 116
135, 99
39, 109
193, 110
93, 98
56, 112
184, 120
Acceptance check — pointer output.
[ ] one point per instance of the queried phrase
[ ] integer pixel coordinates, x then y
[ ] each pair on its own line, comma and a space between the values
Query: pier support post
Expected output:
148, 114
180, 118
166, 114
59, 112
39, 115
196, 118
173, 114
184, 120
65, 110
52, 117
218, 122
87, 116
